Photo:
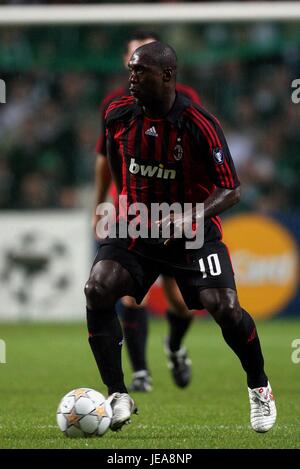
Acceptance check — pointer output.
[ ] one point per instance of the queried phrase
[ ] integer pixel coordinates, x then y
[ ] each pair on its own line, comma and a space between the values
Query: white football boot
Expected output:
262, 408
123, 407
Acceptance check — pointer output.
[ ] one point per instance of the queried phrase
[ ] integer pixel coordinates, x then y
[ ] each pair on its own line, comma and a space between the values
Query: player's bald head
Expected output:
158, 54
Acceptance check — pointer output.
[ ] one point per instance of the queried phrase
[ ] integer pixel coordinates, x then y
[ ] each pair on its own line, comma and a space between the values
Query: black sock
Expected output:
105, 338
244, 341
178, 326
135, 328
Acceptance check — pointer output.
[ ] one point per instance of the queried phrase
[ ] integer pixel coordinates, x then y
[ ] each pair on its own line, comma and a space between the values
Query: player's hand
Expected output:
173, 224
180, 226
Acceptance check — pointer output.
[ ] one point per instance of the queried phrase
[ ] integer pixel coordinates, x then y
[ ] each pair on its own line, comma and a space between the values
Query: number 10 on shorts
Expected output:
211, 265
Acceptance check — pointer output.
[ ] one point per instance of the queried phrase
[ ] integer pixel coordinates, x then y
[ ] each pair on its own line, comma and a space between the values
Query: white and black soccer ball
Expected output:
84, 412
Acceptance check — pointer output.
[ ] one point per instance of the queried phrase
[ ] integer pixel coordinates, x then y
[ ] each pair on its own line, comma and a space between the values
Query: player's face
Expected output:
145, 79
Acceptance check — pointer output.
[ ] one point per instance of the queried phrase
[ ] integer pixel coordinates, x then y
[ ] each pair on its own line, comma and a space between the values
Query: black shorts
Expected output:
193, 270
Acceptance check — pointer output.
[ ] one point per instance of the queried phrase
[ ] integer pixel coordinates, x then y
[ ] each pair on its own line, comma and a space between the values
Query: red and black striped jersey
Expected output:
179, 158
122, 91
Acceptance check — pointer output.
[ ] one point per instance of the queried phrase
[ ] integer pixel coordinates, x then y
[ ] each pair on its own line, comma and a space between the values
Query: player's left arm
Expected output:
220, 200
220, 168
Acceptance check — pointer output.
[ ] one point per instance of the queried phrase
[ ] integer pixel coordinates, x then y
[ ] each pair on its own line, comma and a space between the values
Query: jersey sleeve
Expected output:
212, 141
114, 159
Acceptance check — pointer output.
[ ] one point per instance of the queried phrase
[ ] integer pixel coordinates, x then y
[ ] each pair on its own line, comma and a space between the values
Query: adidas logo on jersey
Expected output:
152, 132
148, 170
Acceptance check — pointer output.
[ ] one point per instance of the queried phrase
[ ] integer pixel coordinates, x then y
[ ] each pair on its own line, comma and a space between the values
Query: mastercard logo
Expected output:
265, 258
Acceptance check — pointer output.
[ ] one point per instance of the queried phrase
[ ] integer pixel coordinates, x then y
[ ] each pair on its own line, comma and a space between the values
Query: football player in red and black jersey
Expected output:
148, 167
135, 317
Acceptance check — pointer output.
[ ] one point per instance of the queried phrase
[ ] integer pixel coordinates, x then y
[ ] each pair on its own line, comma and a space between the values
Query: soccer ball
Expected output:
84, 412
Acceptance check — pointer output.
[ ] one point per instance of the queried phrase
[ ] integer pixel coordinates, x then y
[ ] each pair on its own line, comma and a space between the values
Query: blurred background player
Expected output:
135, 318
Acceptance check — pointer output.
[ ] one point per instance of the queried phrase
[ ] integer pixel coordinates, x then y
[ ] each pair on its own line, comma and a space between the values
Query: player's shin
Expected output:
135, 327
244, 341
178, 327
105, 338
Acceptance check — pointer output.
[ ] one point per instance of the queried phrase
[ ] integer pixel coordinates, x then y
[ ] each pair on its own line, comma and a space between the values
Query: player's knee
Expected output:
224, 307
97, 295
229, 314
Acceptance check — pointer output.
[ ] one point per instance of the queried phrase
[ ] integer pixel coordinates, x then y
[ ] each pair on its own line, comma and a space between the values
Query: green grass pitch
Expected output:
46, 361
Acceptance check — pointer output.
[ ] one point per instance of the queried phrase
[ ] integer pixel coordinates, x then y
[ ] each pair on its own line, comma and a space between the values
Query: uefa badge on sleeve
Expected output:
218, 155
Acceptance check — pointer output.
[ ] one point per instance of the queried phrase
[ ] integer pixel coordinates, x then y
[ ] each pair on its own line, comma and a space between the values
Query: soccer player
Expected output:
135, 317
187, 161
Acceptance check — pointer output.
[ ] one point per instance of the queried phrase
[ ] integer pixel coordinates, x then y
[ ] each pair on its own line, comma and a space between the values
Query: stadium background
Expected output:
55, 79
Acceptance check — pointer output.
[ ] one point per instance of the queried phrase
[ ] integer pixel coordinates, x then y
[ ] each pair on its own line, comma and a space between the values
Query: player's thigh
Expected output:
211, 269
142, 271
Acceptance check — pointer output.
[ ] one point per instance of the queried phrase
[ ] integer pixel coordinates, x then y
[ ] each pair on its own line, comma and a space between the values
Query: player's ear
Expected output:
167, 74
